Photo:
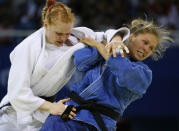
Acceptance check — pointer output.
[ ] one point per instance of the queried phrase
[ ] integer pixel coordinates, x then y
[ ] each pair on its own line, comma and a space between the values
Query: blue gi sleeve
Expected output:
135, 76
86, 58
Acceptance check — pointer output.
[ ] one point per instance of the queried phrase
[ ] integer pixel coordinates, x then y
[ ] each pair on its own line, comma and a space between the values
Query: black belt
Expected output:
95, 109
51, 99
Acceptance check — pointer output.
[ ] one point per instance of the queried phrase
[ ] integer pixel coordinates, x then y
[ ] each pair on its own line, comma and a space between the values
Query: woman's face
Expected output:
141, 46
59, 33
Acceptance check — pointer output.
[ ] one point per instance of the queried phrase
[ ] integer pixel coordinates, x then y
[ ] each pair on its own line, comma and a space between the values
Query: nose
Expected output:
147, 49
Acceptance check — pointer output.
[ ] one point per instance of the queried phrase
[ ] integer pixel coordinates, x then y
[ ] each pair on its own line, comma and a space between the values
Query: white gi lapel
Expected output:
58, 75
39, 69
53, 80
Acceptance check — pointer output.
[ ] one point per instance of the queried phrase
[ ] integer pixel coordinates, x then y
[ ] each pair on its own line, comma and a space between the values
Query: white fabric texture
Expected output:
32, 75
53, 54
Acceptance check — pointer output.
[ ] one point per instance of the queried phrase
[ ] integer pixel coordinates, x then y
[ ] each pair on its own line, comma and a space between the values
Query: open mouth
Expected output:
59, 43
141, 54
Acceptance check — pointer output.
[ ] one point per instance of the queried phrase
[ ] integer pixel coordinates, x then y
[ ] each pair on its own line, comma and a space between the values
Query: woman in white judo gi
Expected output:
41, 65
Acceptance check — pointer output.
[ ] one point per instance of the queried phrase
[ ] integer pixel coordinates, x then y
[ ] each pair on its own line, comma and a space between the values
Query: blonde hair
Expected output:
139, 26
54, 11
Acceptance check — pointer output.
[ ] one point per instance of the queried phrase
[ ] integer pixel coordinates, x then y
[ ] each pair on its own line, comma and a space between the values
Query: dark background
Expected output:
158, 110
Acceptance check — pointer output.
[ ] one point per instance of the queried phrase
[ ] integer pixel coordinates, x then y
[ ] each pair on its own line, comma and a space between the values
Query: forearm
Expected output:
56, 108
101, 48
45, 106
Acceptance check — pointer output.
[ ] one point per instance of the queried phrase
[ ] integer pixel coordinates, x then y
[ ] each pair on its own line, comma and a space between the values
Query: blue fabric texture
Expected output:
116, 85
71, 125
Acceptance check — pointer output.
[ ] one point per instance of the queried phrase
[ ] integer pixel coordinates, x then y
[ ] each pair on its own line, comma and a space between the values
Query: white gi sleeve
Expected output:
81, 32
19, 93
111, 32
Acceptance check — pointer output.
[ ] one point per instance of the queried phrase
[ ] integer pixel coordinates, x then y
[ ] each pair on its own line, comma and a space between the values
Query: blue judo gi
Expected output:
115, 83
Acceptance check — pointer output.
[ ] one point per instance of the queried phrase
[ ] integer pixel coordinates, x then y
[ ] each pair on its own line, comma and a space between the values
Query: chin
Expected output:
138, 58
132, 58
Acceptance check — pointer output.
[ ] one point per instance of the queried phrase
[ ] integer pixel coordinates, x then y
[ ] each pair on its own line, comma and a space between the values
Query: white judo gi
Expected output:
30, 78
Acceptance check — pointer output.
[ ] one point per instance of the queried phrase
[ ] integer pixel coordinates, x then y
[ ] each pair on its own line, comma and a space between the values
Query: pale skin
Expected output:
57, 108
114, 43
140, 46
57, 34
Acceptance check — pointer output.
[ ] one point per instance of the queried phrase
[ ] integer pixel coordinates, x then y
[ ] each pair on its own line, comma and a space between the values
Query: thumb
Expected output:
64, 100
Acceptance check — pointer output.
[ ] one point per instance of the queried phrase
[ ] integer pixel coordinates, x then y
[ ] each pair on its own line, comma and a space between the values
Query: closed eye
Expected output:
61, 34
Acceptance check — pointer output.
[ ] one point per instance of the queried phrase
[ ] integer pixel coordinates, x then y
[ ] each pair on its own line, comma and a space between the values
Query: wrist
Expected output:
46, 106
98, 45
116, 38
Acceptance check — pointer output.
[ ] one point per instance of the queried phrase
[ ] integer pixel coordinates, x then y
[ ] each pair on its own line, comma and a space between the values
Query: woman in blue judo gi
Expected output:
33, 79
110, 83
